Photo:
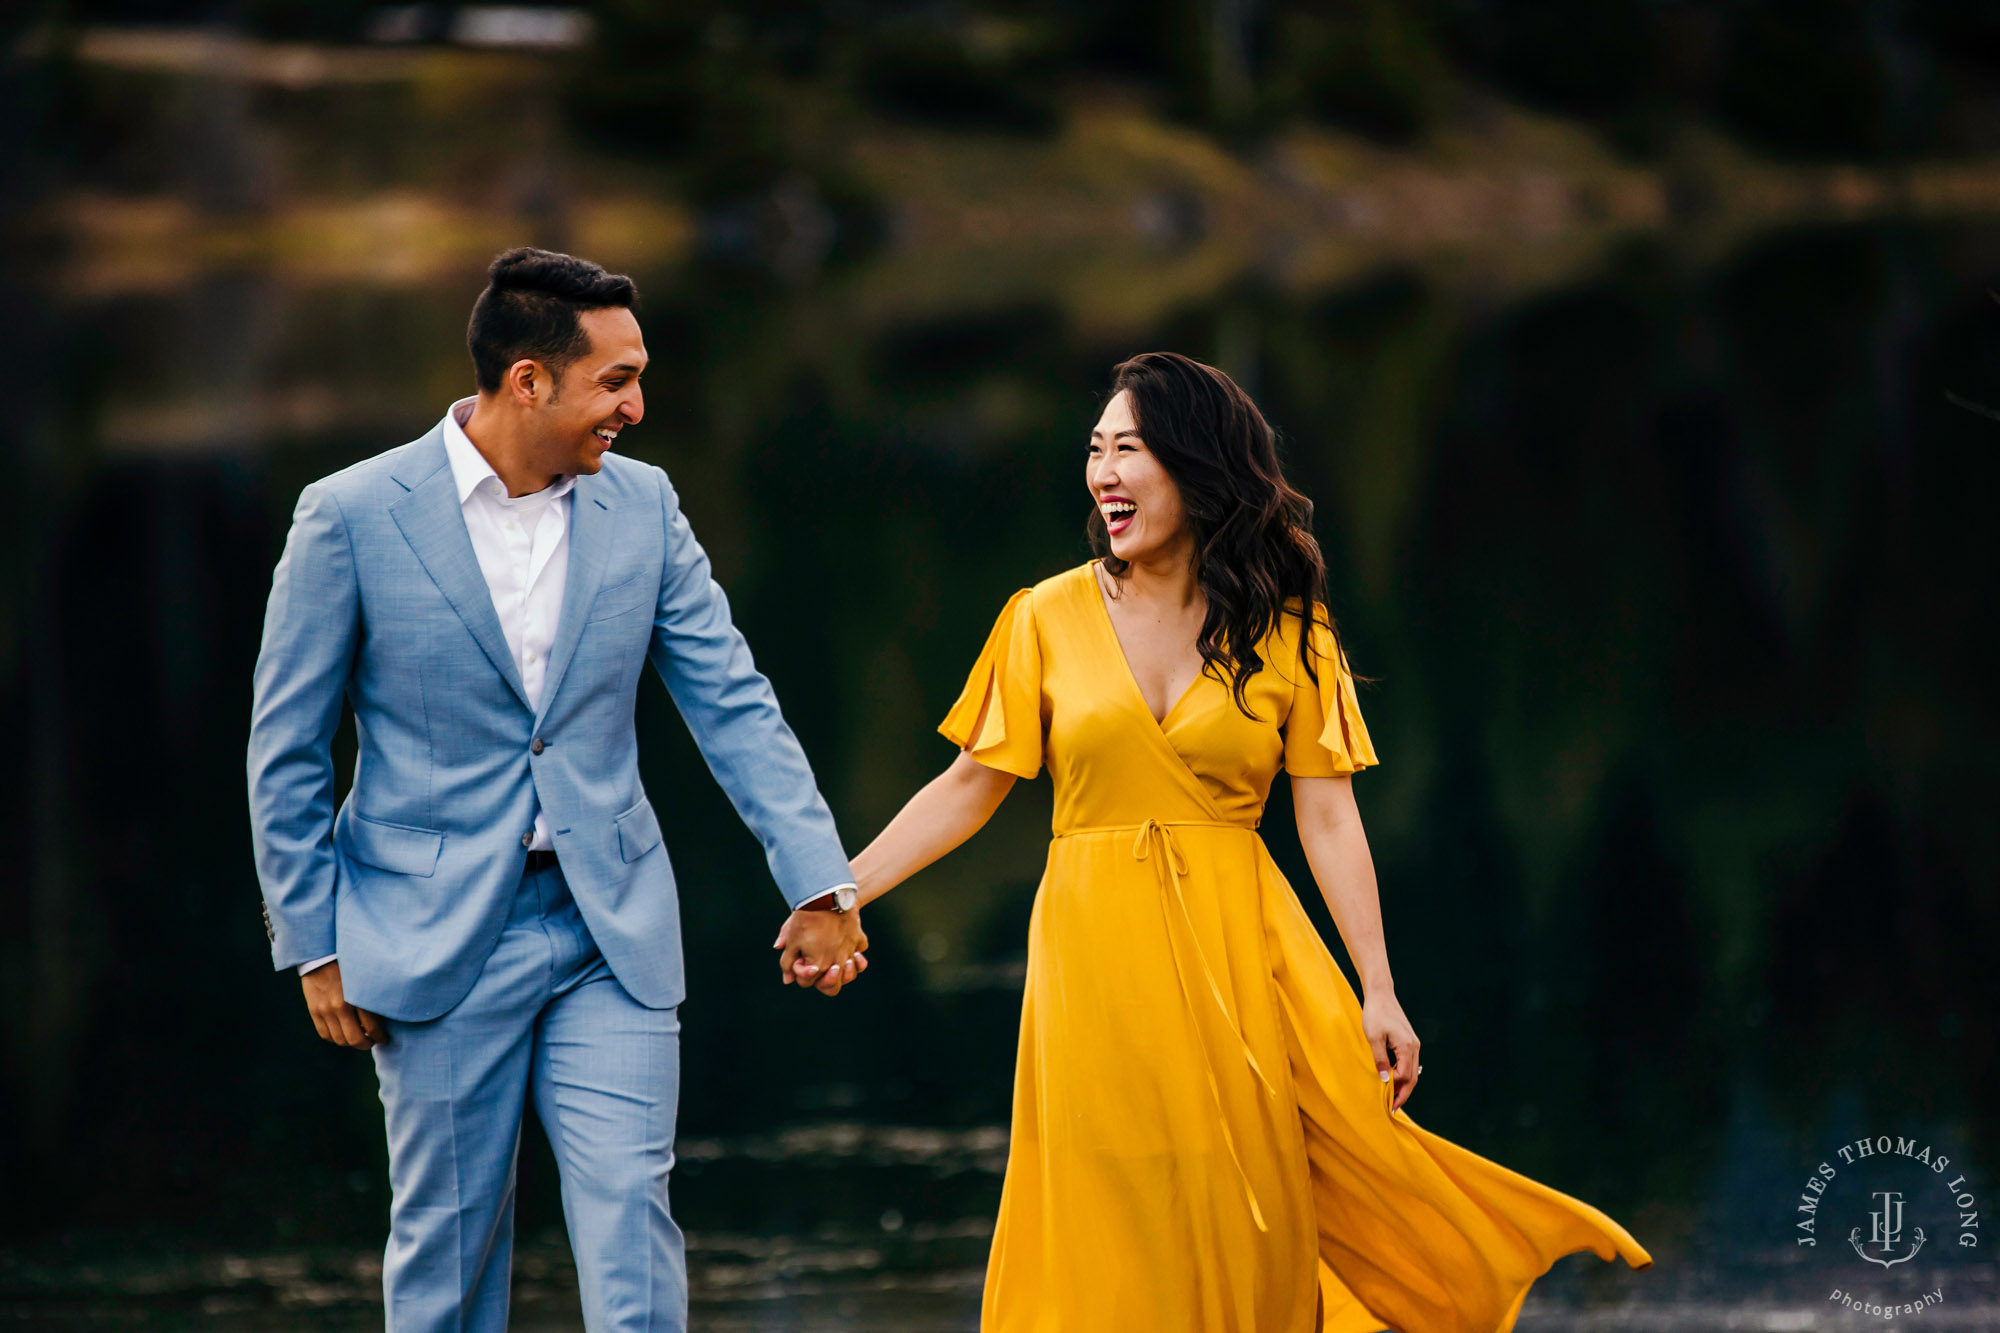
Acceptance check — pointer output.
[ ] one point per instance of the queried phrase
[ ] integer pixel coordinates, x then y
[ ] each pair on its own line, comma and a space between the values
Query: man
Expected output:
491, 911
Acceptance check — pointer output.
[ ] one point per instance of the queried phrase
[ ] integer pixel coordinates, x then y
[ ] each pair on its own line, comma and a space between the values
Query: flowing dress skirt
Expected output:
1201, 1139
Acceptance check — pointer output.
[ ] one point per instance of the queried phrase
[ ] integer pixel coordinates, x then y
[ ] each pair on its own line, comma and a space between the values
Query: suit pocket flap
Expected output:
638, 830
397, 847
623, 598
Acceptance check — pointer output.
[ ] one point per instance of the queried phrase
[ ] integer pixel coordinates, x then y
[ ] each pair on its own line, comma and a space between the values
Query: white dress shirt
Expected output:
522, 545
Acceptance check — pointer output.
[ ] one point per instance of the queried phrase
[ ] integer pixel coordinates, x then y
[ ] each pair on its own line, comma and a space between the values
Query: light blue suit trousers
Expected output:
603, 1073
562, 985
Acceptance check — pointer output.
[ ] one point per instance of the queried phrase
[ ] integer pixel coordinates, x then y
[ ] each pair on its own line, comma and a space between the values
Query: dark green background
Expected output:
1676, 577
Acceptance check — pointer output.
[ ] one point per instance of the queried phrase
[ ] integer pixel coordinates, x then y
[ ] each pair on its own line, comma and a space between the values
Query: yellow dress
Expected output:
1200, 1138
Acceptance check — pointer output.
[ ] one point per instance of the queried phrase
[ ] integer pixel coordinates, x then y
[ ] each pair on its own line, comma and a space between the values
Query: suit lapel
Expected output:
591, 519
433, 524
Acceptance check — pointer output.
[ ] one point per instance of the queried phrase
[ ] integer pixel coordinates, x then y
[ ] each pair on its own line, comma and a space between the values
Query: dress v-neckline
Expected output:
1131, 676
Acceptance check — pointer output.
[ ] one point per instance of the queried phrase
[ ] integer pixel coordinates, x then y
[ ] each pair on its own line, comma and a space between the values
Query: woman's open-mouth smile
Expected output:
1118, 514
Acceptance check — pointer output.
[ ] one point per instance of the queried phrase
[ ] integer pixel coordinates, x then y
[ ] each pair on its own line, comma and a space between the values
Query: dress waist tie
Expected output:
1170, 866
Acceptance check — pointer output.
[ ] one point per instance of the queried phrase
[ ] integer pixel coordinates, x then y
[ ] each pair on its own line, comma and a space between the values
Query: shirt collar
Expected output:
469, 467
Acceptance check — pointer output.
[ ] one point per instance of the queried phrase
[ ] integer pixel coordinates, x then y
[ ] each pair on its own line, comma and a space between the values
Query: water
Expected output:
1671, 565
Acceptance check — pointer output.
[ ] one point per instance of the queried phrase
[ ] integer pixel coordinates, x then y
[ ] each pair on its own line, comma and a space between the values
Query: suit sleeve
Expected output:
733, 713
312, 627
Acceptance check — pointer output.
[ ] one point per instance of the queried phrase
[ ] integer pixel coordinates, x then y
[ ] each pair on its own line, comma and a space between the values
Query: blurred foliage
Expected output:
989, 73
723, 85
1675, 580
1821, 78
686, 82
1373, 66
1676, 574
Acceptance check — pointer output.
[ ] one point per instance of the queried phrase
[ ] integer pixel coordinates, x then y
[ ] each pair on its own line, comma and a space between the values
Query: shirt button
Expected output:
535, 746
531, 657
528, 838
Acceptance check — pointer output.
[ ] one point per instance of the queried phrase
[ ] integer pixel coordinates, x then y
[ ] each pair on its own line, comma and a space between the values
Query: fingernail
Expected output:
1385, 1076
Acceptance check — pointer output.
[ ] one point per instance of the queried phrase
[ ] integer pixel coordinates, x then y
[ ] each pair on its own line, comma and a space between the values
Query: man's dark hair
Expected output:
529, 311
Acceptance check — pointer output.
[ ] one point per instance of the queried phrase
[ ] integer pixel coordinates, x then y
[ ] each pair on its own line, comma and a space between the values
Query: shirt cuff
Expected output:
848, 884
316, 963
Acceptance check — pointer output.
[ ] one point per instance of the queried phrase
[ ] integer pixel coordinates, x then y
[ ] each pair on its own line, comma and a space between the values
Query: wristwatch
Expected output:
840, 899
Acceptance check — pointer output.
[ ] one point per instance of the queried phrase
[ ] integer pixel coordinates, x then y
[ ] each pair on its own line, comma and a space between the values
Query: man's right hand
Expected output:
337, 1020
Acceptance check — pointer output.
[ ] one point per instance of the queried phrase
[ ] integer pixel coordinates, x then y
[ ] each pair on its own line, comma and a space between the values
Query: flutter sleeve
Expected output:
998, 715
1324, 733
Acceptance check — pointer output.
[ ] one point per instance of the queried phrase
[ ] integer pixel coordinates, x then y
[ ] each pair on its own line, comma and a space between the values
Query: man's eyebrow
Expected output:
636, 370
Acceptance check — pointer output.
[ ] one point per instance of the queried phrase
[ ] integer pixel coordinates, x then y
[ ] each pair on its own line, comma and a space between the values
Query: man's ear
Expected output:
529, 382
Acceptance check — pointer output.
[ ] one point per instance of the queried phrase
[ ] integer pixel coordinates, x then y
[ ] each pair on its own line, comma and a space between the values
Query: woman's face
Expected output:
1141, 505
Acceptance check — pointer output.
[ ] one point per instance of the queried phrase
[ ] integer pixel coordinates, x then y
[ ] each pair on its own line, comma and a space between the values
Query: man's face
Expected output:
597, 395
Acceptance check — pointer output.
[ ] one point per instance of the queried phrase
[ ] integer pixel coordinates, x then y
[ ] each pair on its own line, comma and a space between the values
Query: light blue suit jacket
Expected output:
379, 599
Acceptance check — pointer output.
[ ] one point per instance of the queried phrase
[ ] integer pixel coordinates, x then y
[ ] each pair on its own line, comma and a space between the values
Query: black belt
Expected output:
541, 860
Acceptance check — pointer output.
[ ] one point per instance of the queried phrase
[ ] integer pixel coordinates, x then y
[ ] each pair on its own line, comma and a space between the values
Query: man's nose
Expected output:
633, 408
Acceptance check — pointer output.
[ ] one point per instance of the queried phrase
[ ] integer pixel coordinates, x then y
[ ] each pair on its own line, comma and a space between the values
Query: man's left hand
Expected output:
822, 950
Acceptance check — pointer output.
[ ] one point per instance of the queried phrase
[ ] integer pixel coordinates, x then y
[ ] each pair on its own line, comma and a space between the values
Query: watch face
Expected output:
843, 898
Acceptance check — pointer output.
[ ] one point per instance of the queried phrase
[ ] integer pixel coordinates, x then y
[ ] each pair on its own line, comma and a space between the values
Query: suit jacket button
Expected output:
528, 838
535, 746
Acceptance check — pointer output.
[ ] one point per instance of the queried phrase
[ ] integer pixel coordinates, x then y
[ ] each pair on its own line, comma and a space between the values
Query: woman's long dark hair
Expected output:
1255, 557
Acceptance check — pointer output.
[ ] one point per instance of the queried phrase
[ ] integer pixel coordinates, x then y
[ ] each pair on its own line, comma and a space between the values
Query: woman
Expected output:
1207, 1130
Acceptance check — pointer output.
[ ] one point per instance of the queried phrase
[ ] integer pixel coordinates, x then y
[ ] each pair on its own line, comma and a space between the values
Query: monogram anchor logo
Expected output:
1886, 1230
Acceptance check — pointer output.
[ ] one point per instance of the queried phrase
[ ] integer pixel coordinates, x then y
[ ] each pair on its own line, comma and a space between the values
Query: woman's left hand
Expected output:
1393, 1040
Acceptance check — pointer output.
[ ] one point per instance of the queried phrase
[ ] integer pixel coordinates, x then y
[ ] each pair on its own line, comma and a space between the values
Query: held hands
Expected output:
821, 950
1389, 1032
337, 1020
